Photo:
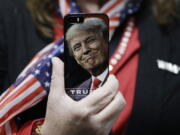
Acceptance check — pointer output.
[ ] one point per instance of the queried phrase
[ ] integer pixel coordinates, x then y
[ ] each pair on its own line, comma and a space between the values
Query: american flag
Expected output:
33, 84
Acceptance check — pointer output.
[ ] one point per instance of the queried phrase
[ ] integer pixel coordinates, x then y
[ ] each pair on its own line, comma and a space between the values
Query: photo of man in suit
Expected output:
88, 44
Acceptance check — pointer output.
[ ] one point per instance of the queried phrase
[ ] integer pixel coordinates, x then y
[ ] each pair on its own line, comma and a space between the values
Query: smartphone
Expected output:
86, 53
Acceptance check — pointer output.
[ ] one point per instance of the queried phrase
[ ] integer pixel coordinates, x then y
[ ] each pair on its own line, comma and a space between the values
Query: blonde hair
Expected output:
166, 11
42, 12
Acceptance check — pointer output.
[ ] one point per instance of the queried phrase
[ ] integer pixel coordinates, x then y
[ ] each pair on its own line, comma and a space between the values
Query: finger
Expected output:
112, 110
101, 97
57, 78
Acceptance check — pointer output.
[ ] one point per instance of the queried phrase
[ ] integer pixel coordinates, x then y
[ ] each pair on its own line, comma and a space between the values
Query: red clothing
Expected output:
28, 127
126, 71
58, 30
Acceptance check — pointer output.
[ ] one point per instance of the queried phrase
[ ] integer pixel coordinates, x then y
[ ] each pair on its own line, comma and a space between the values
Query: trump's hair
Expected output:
90, 25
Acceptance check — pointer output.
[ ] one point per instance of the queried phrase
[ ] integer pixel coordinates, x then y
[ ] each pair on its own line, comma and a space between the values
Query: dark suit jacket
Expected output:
19, 42
87, 84
157, 96
85, 88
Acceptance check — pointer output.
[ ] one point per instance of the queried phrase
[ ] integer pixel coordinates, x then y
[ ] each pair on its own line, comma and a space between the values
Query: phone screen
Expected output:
86, 53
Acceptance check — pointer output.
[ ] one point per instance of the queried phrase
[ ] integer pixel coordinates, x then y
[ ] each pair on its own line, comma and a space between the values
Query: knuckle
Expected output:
99, 126
111, 87
116, 82
111, 91
82, 113
114, 85
96, 127
121, 101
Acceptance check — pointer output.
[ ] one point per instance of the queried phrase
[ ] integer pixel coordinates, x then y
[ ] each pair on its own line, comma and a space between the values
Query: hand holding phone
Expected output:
93, 115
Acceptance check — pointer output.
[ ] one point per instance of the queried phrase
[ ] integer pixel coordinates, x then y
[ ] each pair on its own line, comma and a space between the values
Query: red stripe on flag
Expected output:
18, 92
20, 104
112, 27
66, 6
114, 18
7, 92
25, 108
112, 6
39, 55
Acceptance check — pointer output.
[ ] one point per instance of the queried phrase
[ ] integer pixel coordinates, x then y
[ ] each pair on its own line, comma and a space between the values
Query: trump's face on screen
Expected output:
89, 49
89, 46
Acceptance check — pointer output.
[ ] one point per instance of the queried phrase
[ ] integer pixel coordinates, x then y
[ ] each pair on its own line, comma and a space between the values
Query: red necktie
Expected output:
96, 83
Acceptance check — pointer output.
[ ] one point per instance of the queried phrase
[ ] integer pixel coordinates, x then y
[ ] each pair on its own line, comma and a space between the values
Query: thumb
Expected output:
57, 78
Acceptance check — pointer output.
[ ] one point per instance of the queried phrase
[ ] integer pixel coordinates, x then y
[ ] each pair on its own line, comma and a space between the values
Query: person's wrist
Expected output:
44, 129
48, 129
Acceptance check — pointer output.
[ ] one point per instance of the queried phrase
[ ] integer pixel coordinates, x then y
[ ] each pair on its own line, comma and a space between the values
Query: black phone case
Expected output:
78, 81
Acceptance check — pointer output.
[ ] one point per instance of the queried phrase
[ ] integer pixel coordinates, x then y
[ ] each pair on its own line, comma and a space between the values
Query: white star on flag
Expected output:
37, 72
47, 84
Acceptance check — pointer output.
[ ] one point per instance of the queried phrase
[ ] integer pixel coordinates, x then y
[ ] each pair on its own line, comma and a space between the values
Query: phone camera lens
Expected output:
76, 19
